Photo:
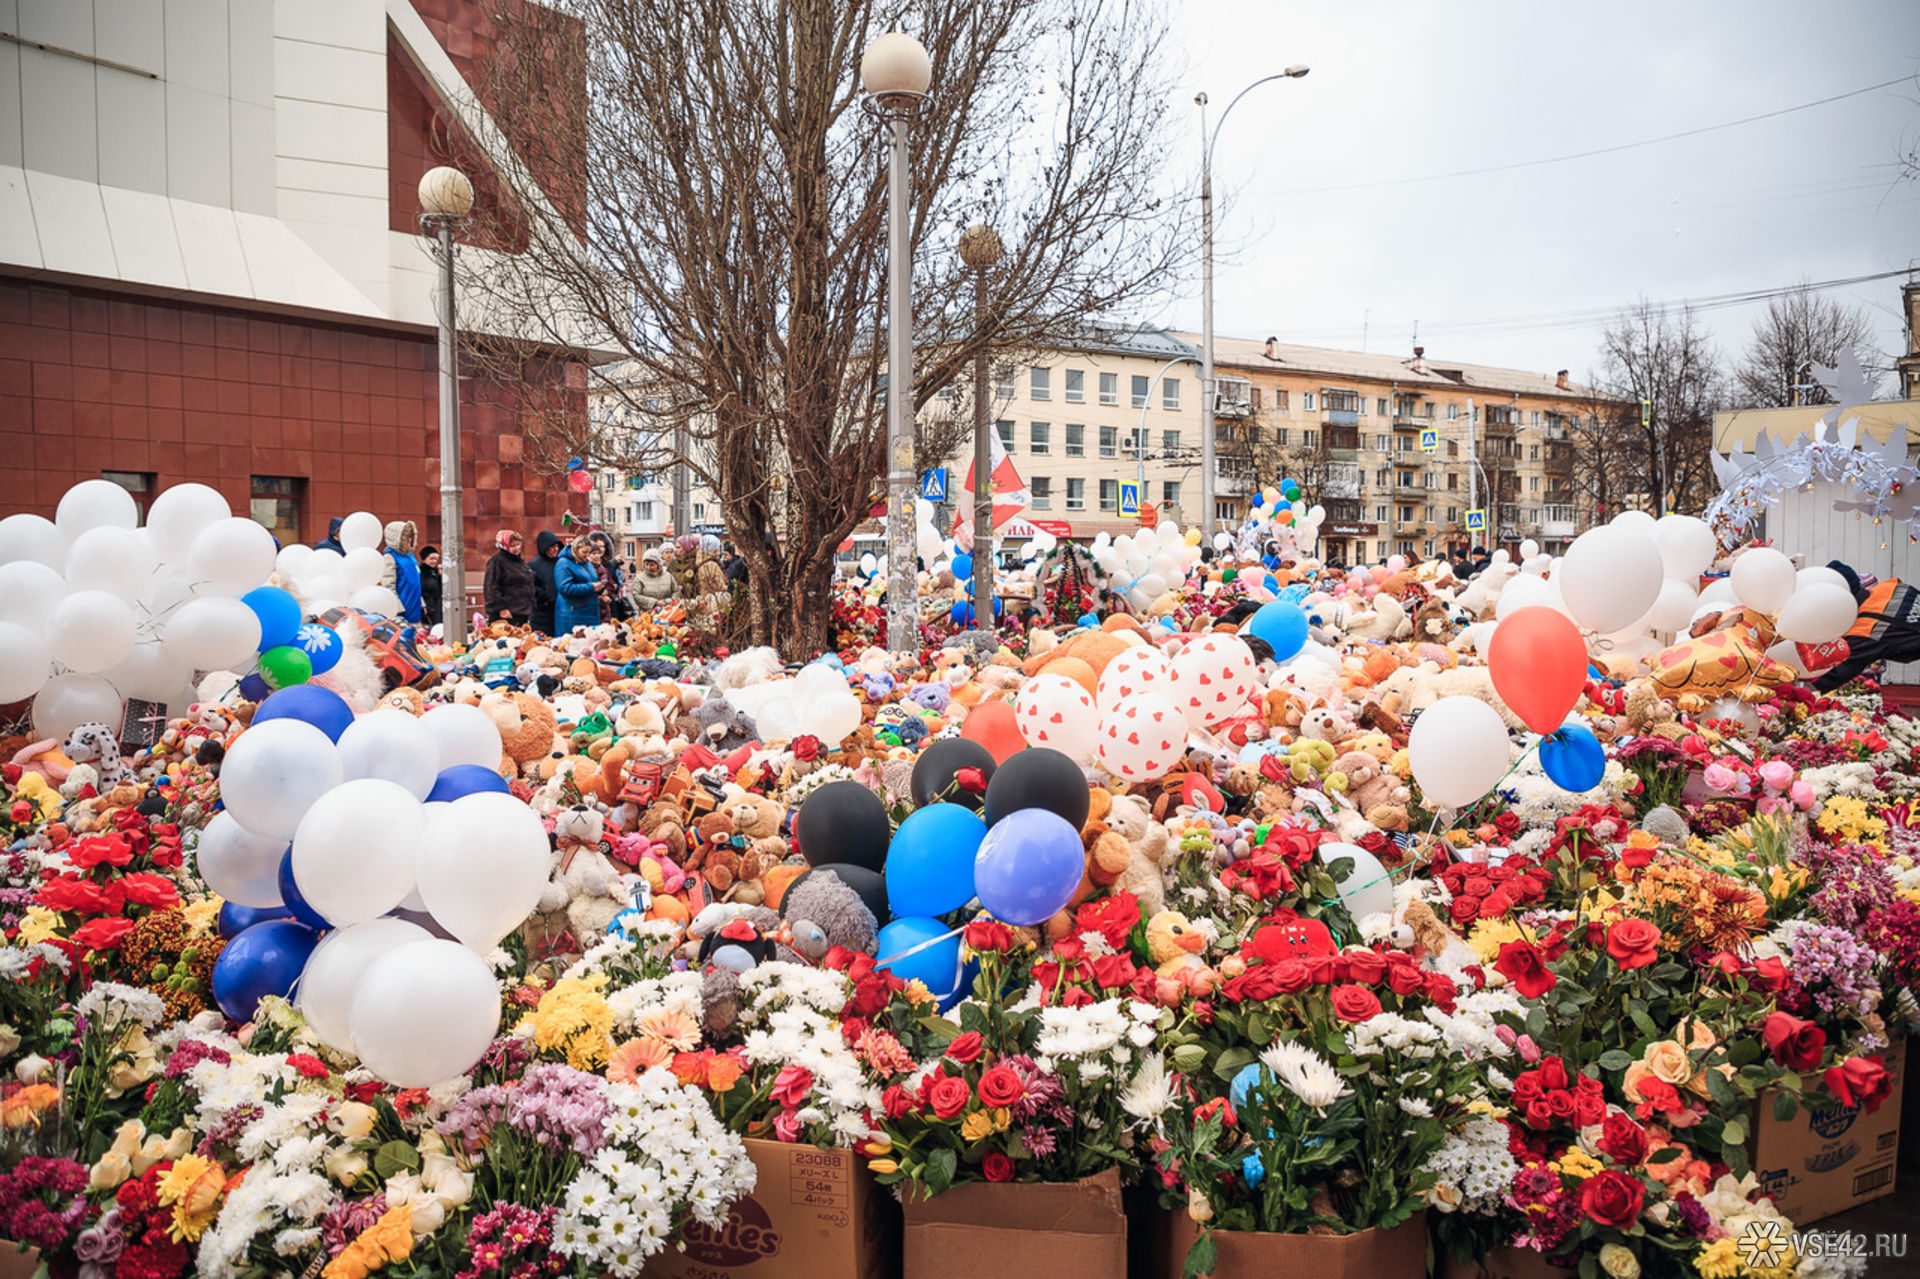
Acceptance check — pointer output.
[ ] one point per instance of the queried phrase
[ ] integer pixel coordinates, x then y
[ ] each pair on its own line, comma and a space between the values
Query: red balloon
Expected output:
1539, 665
994, 726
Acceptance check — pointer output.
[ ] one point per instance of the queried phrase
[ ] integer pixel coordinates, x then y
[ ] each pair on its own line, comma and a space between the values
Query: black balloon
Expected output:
933, 772
871, 886
843, 822
1039, 778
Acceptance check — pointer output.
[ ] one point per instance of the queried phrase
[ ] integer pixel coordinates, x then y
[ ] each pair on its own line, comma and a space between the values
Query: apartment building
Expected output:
640, 509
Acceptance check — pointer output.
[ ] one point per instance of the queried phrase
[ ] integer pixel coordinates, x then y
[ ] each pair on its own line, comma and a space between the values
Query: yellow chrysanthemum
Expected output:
1578, 1164
1718, 1260
192, 1187
1489, 935
202, 916
574, 1020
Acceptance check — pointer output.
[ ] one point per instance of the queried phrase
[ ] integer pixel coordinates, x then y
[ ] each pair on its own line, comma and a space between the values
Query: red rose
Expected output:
1560, 1104
805, 747
21, 812
1794, 1043
78, 896
971, 780
1442, 991
1323, 970
791, 1085
1367, 967
896, 1101
1464, 909
1637, 857
1521, 964
1495, 904
102, 934
965, 1049
1507, 824
996, 1167
156, 891
1612, 1199
947, 1095
1110, 972
1633, 943
1538, 1114
1290, 976
1405, 979
1355, 1003
1860, 1081
1771, 973
988, 936
1623, 1141
1000, 1086
309, 1067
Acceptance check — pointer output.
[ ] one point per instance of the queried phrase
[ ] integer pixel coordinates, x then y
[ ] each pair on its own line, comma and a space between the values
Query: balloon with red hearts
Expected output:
1140, 669
1212, 678
1142, 737
1056, 712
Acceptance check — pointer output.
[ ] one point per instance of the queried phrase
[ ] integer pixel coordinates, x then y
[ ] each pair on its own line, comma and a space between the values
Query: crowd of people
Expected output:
584, 582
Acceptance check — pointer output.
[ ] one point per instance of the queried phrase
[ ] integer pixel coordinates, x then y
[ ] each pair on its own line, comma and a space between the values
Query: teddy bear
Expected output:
1368, 786
1108, 856
527, 728
822, 913
1129, 817
1648, 714
642, 724
759, 818
1326, 724
721, 726
721, 856
665, 823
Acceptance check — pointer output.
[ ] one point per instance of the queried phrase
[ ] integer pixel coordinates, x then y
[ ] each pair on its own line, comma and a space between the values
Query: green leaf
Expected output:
1645, 1024
1200, 1257
1230, 1062
940, 1026
394, 1158
1785, 1106
1734, 1134
1188, 1058
940, 1168
1665, 1155
1615, 1059
1339, 868
1719, 1089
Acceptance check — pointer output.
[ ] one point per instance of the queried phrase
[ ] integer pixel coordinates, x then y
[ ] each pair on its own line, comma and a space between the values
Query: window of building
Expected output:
1170, 394
699, 512
1003, 382
1406, 515
274, 502
1453, 448
1005, 428
1253, 399
1380, 513
1380, 406
1343, 437
1306, 400
1383, 477
1076, 441
1136, 441
1076, 494
1380, 443
1453, 412
1533, 452
1076, 388
1453, 479
1225, 512
1170, 492
1307, 437
1140, 390
1534, 420
1109, 441
1342, 401
945, 393
1453, 515
1109, 388
138, 483
1535, 485
1280, 399
1039, 435
1280, 435
1040, 384
1109, 495
1170, 442
1041, 487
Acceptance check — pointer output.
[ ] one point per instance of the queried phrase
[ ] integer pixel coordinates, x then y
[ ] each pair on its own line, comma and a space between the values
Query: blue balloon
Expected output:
1028, 866
296, 905
323, 708
321, 644
929, 866
1282, 625
963, 566
1572, 756
465, 779
279, 615
937, 966
264, 960
962, 612
255, 689
1090, 620
1272, 584
999, 606
236, 919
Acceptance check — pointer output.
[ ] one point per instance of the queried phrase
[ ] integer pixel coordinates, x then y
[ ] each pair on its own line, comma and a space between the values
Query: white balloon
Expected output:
1211, 680
361, 530
1529, 549
424, 1013
1787, 653
230, 556
816, 679
90, 631
334, 969
29, 592
242, 867
354, 850
483, 866
213, 633
832, 718
1821, 575
1520, 592
1223, 541
293, 558
1056, 712
777, 721
1817, 614
1458, 750
92, 504
274, 774
1764, 579
1610, 577
391, 744
1719, 591
67, 701
177, 517
324, 562
32, 537
362, 568
464, 734
1639, 521
1687, 546
1674, 606
25, 662
375, 599
150, 672
110, 558
1708, 608
1368, 888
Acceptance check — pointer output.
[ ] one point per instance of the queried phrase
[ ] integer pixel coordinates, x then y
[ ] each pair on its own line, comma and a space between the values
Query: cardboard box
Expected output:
18, 1261
1828, 1158
1400, 1253
813, 1214
987, 1230
1503, 1263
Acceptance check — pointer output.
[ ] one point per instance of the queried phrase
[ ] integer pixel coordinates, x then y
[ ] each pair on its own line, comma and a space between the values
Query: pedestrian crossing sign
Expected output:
1130, 501
1476, 521
1429, 440
933, 484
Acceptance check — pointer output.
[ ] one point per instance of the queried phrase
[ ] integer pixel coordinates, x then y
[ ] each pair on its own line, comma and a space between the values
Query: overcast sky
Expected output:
1403, 90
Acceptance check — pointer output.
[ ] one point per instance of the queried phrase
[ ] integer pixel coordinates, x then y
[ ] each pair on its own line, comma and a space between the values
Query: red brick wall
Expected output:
93, 381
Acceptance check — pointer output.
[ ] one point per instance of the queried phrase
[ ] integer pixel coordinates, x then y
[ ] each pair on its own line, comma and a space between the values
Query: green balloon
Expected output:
1293, 493
1229, 574
285, 666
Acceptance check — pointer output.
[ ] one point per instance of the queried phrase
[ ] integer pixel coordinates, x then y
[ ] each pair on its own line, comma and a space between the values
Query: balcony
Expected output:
1226, 485
1340, 417
1557, 521
1233, 399
1501, 425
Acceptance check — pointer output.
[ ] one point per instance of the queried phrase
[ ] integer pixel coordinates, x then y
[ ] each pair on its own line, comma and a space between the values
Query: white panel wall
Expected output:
1806, 523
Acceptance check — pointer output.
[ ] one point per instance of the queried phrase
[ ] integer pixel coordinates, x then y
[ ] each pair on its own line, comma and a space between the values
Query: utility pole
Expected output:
1473, 473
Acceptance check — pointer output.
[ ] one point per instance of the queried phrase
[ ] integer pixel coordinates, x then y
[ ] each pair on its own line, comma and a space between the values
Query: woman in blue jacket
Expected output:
576, 580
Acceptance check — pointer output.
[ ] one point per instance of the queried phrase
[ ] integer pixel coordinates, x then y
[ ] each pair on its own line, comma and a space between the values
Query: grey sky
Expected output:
1402, 90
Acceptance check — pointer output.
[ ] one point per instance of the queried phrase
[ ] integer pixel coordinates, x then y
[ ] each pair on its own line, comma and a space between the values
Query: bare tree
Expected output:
1664, 360
730, 235
1599, 460
1800, 329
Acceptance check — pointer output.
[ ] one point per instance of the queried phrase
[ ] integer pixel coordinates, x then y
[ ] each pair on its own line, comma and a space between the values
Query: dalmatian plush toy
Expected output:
96, 744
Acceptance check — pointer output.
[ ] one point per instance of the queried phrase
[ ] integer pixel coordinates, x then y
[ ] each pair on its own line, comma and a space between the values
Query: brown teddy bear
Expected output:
1650, 715
722, 855
665, 823
527, 728
758, 818
1369, 786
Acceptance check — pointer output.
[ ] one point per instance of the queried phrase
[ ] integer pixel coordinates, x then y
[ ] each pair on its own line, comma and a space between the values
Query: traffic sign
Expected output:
1476, 521
1429, 439
933, 484
1130, 501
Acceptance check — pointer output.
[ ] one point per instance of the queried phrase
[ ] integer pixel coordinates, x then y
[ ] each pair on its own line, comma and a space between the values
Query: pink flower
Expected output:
1802, 796
1719, 778
1777, 774
786, 1126
1528, 1050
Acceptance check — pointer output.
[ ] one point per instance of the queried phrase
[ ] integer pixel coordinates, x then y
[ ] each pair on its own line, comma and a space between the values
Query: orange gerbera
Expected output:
636, 1056
671, 1029
716, 1072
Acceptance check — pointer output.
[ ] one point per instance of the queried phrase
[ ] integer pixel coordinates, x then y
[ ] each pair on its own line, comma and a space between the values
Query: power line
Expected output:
1586, 155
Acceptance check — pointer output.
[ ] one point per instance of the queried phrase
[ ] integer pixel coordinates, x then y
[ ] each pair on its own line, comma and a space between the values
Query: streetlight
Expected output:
1140, 438
446, 198
980, 248
1206, 289
896, 72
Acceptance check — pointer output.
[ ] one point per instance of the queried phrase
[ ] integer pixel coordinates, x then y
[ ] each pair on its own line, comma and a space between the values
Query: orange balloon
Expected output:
1539, 665
1075, 669
994, 726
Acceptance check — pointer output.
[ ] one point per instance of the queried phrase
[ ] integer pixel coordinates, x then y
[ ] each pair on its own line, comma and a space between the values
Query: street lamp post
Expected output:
446, 198
896, 73
980, 248
1206, 289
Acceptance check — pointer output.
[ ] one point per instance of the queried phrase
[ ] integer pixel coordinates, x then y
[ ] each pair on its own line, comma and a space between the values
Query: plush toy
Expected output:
823, 913
1326, 724
527, 728
747, 667
1369, 786
94, 743
758, 819
1310, 759
1730, 662
1650, 715
1108, 855
1148, 848
721, 726
721, 856
1174, 946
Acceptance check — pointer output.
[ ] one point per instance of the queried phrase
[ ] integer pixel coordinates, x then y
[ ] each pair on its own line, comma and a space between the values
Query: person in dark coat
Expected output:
509, 584
430, 586
331, 542
546, 547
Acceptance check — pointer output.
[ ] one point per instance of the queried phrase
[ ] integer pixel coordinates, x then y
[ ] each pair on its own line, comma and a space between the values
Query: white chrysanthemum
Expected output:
1306, 1075
1147, 1097
108, 1005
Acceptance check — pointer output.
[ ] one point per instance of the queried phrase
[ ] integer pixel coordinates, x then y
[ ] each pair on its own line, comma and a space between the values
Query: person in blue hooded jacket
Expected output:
576, 581
402, 576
